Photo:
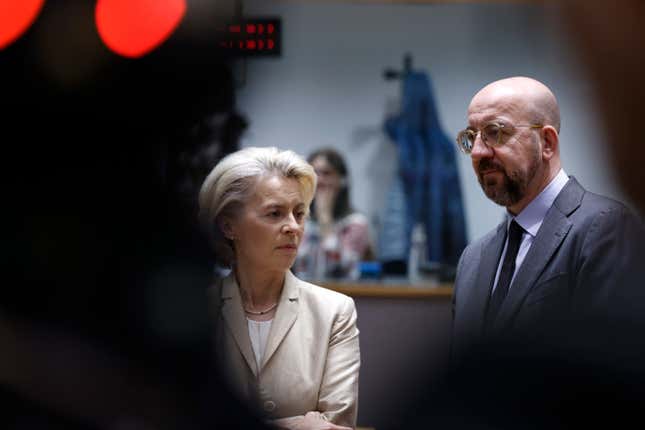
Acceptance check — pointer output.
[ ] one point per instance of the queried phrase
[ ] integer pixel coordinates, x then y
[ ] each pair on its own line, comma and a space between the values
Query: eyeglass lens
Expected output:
490, 136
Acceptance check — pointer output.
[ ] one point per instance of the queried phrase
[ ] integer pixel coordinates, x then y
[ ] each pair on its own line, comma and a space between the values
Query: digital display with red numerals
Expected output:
252, 37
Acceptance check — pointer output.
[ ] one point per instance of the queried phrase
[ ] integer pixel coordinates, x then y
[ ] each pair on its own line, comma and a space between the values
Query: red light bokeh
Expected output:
133, 28
16, 16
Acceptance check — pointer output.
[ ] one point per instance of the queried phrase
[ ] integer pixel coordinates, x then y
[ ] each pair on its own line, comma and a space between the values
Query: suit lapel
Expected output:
554, 229
489, 260
233, 314
285, 316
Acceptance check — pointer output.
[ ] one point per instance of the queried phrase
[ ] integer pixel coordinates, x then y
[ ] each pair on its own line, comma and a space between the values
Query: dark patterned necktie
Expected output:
505, 276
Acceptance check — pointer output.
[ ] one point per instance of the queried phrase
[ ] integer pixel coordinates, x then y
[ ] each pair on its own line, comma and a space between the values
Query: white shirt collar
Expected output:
533, 214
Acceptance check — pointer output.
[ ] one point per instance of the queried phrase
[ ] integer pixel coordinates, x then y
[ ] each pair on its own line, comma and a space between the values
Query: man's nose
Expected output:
480, 149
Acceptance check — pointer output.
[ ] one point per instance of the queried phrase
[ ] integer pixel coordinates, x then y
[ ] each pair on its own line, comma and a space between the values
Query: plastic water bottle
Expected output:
417, 253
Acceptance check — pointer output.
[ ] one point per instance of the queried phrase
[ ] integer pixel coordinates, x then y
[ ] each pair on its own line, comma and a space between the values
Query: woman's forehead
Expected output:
276, 188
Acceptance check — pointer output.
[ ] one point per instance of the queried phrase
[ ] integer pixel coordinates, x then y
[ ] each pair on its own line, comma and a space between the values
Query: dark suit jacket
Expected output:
583, 262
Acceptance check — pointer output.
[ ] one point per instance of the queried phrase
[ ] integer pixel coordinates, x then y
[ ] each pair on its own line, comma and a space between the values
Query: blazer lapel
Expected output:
554, 229
233, 314
285, 316
489, 260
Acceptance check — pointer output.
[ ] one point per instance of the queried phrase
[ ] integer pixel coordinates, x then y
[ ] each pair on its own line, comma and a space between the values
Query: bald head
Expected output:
519, 161
520, 95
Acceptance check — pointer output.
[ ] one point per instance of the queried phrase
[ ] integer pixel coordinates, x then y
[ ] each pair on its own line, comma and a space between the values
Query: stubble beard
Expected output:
513, 185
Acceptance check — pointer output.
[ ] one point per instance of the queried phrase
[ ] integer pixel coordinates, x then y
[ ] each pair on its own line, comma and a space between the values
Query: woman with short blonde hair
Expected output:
288, 346
227, 186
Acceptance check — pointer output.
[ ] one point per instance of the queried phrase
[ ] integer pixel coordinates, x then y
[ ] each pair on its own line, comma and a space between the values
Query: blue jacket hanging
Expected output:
428, 179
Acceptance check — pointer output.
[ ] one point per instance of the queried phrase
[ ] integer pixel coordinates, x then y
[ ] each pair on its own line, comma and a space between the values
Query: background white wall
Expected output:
328, 86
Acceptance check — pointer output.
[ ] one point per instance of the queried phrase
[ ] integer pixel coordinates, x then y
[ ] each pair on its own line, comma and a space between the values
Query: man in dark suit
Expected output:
564, 257
591, 370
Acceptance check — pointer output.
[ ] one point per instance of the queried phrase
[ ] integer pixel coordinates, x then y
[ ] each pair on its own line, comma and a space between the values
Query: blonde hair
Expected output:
226, 188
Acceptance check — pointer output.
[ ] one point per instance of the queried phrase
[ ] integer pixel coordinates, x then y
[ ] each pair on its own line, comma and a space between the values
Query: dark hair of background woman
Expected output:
341, 205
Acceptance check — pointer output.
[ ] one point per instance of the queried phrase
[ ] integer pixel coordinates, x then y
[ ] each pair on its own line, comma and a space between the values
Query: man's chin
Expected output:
491, 193
496, 194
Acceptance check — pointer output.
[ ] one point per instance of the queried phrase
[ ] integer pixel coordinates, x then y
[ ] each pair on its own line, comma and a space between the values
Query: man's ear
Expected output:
551, 142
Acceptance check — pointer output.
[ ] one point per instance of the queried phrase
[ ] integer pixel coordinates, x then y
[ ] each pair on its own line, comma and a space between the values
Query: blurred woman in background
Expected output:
337, 238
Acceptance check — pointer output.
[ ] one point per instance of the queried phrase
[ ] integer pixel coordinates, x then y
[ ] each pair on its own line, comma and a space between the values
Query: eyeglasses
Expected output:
491, 135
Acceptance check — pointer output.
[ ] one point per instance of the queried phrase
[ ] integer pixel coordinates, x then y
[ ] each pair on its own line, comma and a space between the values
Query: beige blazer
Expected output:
312, 356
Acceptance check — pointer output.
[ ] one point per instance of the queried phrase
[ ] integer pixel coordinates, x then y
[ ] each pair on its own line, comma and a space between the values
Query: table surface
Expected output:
389, 290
